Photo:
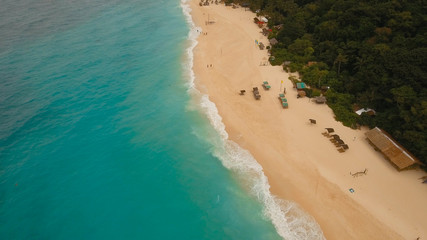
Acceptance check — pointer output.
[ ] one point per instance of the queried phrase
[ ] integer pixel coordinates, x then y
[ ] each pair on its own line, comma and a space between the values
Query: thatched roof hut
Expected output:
273, 41
320, 99
398, 155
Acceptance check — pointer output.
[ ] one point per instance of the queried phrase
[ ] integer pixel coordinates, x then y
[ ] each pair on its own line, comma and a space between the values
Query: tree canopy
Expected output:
371, 53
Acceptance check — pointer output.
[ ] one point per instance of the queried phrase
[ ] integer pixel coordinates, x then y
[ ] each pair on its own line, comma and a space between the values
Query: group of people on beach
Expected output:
204, 33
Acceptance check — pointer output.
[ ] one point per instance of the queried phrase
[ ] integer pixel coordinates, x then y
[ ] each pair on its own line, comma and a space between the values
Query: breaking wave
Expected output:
290, 221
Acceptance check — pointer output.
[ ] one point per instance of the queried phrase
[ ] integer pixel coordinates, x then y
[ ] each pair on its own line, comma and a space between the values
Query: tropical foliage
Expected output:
371, 53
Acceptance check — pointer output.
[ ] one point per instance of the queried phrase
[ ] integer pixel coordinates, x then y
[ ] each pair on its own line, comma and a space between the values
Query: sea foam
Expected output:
290, 221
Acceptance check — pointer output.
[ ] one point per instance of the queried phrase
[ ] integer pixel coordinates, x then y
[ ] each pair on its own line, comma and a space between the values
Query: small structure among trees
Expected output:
273, 41
265, 32
301, 86
245, 5
320, 99
394, 152
368, 111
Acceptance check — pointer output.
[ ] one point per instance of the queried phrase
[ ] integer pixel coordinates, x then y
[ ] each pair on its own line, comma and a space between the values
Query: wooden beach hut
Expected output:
320, 99
301, 86
273, 41
392, 151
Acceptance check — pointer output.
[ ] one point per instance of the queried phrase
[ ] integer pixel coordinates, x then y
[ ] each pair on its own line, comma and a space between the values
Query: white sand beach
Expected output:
300, 163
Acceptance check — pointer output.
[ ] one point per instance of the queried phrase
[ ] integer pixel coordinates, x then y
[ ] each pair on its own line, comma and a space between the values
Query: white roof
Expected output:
264, 19
362, 110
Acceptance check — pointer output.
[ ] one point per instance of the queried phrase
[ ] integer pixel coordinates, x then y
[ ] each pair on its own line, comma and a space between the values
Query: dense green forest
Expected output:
371, 53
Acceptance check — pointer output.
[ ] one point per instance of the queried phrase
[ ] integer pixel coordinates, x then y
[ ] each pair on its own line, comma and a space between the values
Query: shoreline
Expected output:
242, 163
301, 165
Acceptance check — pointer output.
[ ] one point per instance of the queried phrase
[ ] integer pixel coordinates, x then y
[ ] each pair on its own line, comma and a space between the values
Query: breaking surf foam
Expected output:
290, 221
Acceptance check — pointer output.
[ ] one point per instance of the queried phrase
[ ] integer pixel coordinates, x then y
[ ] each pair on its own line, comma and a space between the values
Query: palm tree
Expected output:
341, 58
321, 74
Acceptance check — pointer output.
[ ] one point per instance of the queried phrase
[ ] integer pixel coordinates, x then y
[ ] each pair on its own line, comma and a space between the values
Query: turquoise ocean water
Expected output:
103, 136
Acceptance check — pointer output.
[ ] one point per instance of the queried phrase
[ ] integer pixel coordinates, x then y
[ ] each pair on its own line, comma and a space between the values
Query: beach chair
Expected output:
282, 98
285, 105
339, 143
328, 131
266, 85
242, 92
312, 121
343, 148
335, 136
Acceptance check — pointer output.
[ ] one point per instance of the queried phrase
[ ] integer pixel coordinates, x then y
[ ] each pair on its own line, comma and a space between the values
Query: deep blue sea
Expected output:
103, 135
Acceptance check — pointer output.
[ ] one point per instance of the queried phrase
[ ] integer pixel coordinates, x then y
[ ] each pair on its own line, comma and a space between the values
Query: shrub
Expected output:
344, 115
315, 92
295, 67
